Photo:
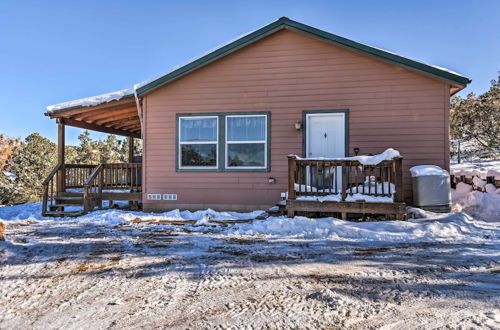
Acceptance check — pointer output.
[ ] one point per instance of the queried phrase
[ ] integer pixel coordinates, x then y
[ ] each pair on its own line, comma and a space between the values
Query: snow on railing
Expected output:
369, 178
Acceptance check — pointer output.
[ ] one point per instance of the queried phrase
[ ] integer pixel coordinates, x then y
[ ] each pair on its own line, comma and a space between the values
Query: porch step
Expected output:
73, 200
58, 205
63, 213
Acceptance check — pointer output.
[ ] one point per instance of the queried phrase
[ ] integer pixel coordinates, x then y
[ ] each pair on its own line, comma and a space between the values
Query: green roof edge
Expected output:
285, 22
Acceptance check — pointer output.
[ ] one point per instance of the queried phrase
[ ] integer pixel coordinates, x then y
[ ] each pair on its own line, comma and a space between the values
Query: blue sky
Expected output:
55, 51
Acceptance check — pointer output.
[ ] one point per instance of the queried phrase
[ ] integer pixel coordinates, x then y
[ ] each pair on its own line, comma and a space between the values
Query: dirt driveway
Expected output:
72, 275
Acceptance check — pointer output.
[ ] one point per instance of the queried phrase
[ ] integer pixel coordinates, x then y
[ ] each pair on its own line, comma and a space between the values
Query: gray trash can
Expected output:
431, 188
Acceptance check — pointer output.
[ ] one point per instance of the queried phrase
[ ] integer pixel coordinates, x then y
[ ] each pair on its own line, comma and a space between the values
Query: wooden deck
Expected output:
345, 187
85, 187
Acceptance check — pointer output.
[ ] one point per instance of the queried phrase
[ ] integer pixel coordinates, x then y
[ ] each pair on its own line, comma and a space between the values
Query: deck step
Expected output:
74, 200
58, 205
63, 214
70, 194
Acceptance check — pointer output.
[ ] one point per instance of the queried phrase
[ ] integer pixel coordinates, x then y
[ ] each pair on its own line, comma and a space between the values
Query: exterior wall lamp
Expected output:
298, 125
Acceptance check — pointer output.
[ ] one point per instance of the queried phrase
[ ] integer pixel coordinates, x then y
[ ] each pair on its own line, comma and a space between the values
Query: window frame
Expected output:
264, 142
180, 143
221, 142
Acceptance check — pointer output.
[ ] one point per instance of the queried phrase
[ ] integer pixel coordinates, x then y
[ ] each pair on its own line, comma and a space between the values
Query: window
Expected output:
246, 141
239, 141
198, 142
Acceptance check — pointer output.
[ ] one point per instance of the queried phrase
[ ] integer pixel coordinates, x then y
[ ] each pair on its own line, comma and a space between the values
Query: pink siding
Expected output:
287, 73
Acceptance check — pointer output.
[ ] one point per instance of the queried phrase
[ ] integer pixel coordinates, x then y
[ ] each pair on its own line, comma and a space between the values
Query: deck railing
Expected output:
321, 177
94, 181
126, 176
50, 187
76, 174
123, 176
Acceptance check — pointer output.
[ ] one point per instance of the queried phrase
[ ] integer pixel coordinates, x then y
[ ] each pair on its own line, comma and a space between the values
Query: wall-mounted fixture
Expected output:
271, 180
356, 151
298, 125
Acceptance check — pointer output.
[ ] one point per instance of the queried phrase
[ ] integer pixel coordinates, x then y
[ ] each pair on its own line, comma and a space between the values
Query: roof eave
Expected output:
59, 112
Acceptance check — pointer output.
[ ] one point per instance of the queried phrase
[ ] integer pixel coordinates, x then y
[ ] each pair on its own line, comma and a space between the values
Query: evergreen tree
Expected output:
87, 152
476, 119
30, 165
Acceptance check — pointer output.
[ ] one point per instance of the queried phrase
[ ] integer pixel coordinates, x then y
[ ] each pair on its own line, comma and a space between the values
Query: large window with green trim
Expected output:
246, 141
223, 142
198, 141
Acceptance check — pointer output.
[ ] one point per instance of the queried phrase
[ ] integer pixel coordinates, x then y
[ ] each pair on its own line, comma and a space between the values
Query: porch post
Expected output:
130, 149
398, 168
60, 154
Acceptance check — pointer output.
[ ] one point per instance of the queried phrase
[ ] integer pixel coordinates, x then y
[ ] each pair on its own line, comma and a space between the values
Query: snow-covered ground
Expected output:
124, 269
477, 168
479, 199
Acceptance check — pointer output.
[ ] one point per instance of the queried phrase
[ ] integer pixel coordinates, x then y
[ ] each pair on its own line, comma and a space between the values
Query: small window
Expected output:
198, 142
246, 141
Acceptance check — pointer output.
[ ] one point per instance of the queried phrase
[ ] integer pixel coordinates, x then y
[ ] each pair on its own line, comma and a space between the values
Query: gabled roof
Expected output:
147, 86
286, 23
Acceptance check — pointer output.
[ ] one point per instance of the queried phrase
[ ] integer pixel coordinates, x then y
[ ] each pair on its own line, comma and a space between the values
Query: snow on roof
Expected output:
388, 154
91, 101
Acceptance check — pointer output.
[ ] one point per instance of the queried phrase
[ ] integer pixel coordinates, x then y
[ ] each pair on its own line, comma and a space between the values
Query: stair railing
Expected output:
92, 190
50, 187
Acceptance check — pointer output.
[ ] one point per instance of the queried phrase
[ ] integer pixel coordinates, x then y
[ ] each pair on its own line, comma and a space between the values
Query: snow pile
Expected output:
484, 206
388, 154
448, 227
93, 100
424, 170
485, 202
32, 211
478, 182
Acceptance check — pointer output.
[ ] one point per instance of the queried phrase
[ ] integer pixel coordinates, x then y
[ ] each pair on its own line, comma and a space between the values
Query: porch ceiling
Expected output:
118, 117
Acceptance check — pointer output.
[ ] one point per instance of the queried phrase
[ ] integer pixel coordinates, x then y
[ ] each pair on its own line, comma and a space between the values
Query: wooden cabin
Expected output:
217, 131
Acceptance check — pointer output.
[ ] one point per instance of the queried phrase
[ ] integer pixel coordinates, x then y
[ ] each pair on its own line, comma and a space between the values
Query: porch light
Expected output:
298, 125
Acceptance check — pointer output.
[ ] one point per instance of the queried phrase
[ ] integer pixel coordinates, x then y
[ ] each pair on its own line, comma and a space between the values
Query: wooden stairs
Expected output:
65, 200
72, 190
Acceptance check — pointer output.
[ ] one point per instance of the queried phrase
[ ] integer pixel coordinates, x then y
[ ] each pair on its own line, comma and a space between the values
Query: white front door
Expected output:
325, 138
325, 135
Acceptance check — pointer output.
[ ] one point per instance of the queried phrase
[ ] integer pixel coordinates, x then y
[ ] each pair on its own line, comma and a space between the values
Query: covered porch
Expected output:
76, 189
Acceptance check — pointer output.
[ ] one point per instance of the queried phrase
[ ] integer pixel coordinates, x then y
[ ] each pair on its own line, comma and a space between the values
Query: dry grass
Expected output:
2, 230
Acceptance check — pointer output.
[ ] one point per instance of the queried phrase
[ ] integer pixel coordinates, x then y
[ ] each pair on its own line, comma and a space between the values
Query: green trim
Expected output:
286, 23
304, 123
221, 147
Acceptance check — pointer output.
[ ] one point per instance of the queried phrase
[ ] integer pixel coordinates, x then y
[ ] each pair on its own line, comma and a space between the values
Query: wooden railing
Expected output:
92, 189
126, 176
76, 174
321, 177
50, 187
94, 180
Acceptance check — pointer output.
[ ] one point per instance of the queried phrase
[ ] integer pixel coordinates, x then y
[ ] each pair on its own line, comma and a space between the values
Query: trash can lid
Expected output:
424, 170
